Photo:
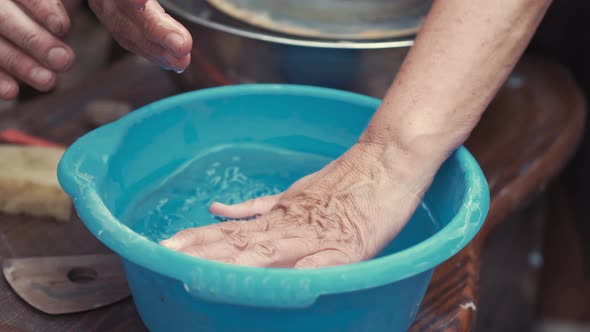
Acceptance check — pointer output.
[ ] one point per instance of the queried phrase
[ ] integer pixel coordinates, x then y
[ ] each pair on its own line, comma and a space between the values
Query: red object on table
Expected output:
16, 136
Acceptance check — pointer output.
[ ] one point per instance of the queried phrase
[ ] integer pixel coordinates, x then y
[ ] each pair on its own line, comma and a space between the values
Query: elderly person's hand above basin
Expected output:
142, 27
32, 52
30, 47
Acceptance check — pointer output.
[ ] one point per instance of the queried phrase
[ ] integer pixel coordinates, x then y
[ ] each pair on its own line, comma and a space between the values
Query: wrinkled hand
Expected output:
345, 213
30, 48
142, 27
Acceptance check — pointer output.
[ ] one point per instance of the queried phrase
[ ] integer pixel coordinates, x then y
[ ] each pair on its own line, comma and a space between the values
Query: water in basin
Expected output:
232, 174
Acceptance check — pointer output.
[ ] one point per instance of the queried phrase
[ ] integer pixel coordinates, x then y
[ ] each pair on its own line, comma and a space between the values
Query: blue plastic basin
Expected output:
126, 163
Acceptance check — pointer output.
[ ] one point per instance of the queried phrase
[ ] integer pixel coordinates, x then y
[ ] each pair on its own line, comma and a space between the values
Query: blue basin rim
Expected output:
133, 247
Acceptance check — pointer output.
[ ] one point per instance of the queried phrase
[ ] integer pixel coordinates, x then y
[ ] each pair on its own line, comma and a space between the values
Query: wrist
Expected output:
420, 138
423, 154
394, 166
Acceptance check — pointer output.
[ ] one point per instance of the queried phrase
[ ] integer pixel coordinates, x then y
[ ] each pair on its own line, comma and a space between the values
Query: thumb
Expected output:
257, 206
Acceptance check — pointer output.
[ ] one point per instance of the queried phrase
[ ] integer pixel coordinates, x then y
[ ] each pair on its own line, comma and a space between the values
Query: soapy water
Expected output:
234, 174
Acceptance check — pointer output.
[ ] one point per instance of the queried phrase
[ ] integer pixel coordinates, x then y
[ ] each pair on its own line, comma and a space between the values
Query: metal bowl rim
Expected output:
179, 11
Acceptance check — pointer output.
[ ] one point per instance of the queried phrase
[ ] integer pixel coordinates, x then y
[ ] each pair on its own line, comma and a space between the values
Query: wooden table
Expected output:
525, 138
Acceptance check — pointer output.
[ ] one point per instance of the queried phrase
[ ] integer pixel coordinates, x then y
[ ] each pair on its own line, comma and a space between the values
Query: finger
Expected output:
231, 245
24, 68
275, 253
33, 39
51, 14
260, 205
130, 37
8, 87
159, 27
214, 232
324, 258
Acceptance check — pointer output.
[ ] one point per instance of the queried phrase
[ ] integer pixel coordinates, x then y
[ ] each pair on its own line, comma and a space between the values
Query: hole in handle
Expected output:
82, 275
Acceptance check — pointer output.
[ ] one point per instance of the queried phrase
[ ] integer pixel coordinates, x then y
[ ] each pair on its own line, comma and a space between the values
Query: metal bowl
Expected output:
334, 19
230, 51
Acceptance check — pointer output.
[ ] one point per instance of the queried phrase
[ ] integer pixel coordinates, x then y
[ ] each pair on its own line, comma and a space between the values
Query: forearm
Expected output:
462, 55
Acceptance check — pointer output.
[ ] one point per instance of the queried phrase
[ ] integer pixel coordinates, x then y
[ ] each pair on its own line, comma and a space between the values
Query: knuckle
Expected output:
267, 249
282, 207
240, 242
38, 4
265, 226
30, 41
151, 29
17, 64
229, 228
327, 219
109, 15
302, 203
12, 63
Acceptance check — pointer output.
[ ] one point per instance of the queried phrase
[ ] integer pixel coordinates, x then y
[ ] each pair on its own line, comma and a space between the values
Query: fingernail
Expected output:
173, 41
167, 243
54, 24
58, 58
41, 75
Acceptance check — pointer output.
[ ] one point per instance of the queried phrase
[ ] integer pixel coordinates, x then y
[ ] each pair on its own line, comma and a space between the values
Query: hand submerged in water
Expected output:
345, 213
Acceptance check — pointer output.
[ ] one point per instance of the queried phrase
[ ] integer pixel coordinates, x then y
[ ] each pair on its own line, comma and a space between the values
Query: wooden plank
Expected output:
564, 292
